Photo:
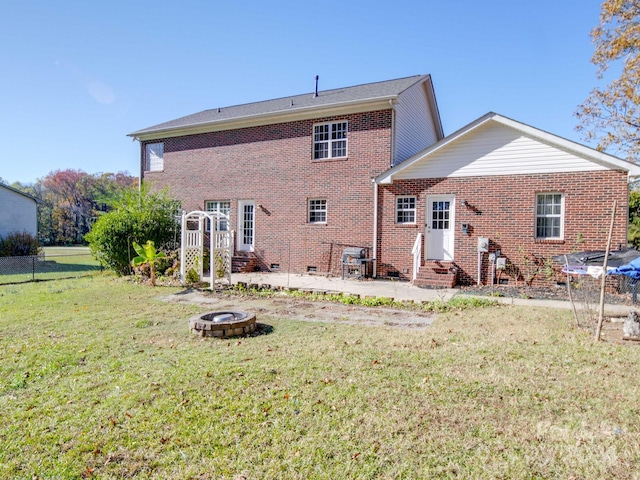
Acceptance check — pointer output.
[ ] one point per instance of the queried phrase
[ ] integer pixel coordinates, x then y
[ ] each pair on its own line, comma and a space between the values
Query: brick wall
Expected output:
273, 166
503, 209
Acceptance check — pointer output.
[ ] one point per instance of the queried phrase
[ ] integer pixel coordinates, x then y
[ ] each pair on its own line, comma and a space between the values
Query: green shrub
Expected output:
18, 244
136, 218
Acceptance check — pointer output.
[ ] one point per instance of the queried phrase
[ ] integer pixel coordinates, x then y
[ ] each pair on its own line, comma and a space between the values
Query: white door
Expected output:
246, 225
439, 228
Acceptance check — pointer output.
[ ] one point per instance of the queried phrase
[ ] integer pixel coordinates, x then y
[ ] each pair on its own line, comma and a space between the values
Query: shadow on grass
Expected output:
50, 266
262, 329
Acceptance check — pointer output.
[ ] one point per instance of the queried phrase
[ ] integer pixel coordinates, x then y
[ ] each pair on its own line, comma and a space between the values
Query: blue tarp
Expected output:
631, 269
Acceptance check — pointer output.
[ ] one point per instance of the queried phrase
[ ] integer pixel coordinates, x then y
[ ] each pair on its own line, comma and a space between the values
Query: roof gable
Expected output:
15, 190
497, 145
271, 111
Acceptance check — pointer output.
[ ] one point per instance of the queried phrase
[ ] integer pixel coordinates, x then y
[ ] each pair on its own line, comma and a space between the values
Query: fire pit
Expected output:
223, 324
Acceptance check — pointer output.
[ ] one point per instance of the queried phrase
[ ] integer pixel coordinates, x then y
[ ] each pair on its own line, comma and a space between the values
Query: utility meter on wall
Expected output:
483, 244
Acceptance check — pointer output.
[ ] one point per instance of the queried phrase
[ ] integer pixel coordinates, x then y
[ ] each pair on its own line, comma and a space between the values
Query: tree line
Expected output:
70, 201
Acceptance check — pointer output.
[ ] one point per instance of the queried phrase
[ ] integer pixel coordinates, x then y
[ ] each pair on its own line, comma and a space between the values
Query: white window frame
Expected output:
404, 209
217, 206
154, 157
545, 214
317, 206
330, 135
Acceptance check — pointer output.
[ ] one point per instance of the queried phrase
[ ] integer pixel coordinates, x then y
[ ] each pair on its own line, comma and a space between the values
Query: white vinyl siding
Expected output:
550, 216
406, 210
154, 157
496, 150
415, 127
18, 213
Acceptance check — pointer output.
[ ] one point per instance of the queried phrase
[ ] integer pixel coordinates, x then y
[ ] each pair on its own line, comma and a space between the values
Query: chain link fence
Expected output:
48, 266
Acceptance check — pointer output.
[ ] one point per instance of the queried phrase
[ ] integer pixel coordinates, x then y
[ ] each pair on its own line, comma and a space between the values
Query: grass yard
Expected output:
99, 378
59, 262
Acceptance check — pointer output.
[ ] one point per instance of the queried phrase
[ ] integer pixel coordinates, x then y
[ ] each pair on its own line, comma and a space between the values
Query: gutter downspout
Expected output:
140, 164
375, 227
393, 132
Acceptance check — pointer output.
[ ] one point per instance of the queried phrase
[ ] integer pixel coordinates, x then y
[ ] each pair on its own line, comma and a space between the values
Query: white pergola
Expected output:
192, 246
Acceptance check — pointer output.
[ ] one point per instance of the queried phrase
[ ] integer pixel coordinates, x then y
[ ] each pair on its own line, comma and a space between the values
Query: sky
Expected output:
78, 76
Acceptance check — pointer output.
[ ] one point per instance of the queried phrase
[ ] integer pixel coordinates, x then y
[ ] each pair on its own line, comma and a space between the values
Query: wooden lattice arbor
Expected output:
196, 227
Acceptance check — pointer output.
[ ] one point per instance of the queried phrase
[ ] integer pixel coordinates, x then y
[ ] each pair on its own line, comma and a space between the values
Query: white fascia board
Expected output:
433, 107
589, 153
282, 116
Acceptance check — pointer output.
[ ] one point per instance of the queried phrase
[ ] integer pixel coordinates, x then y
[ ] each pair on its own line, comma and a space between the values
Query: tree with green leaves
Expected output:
148, 255
611, 114
138, 216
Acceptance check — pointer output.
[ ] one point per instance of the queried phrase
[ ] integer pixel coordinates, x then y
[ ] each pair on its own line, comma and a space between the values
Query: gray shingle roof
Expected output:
369, 91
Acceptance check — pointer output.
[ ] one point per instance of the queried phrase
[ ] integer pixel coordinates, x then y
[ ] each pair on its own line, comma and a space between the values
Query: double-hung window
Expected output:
154, 157
221, 224
317, 210
406, 209
330, 140
550, 216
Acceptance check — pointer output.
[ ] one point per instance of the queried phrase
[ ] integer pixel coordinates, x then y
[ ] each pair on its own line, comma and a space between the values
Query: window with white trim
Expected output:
154, 157
317, 210
330, 140
222, 225
406, 209
550, 215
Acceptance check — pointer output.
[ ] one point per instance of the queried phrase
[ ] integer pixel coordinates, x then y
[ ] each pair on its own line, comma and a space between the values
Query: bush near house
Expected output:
18, 244
137, 218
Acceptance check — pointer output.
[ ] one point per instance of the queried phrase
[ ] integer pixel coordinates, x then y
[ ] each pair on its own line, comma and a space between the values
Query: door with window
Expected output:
246, 225
439, 228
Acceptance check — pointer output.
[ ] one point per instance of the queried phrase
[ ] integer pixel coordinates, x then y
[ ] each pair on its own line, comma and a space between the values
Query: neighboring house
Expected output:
295, 174
18, 212
304, 177
531, 194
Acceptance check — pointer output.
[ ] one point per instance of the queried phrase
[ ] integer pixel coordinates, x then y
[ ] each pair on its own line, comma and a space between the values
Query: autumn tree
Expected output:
611, 115
73, 199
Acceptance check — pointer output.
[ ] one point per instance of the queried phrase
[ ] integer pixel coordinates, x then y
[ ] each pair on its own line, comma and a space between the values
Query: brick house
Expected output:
294, 174
498, 186
306, 176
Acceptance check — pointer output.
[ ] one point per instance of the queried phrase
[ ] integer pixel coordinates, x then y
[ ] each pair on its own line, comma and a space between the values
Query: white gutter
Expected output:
393, 132
375, 227
276, 116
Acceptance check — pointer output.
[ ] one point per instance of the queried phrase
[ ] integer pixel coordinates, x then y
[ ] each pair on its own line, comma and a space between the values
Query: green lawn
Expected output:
101, 379
58, 262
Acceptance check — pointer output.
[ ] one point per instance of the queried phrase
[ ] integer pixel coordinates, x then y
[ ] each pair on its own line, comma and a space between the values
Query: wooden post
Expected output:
604, 271
573, 305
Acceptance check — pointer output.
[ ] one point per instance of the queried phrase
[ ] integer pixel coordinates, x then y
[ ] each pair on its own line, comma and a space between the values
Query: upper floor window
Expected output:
154, 157
550, 215
317, 210
330, 140
224, 207
406, 209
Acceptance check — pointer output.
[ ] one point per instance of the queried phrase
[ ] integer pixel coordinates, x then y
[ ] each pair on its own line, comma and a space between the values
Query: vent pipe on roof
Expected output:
317, 78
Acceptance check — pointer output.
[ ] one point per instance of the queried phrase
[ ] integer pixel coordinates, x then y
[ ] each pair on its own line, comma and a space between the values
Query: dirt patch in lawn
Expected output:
308, 311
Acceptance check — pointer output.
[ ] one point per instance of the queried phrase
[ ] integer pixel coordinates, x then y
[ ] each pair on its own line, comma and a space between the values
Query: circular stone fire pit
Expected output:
223, 324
